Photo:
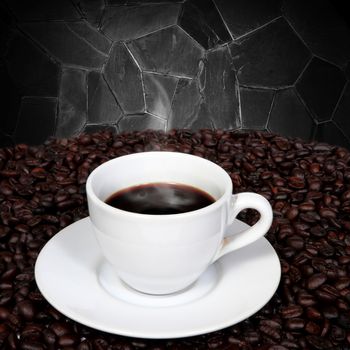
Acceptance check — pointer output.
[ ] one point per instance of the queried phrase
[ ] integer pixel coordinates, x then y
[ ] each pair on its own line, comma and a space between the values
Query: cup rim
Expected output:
106, 207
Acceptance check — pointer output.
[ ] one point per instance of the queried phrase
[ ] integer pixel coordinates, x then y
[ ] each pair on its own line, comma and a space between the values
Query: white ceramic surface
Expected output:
70, 268
160, 254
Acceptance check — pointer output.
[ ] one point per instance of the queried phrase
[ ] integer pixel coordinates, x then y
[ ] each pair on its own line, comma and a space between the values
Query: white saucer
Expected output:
74, 278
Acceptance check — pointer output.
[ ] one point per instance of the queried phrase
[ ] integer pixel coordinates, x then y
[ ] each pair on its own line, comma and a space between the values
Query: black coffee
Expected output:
160, 198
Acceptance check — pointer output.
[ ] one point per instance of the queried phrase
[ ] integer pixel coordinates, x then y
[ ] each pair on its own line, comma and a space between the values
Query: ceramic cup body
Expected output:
161, 254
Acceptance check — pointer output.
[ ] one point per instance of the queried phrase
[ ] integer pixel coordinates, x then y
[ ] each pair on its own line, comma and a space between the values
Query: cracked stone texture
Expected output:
255, 107
102, 105
141, 122
320, 95
43, 10
37, 114
201, 20
6, 35
124, 78
273, 56
342, 113
159, 92
330, 133
130, 22
91, 128
32, 72
7, 30
92, 36
63, 47
326, 34
92, 10
220, 88
72, 114
243, 16
347, 71
203, 119
10, 102
75, 44
185, 106
156, 52
135, 2
6, 140
289, 116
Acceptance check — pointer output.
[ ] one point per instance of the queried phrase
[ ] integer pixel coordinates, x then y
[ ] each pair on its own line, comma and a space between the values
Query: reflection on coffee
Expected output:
160, 198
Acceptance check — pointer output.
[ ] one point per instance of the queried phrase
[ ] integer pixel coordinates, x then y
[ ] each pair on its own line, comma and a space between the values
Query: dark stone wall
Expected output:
69, 66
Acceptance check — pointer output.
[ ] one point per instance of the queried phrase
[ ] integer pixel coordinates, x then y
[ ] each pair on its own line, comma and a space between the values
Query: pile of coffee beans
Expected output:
42, 190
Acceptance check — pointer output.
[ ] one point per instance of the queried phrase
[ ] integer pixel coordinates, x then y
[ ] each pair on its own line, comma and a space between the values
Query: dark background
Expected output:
72, 66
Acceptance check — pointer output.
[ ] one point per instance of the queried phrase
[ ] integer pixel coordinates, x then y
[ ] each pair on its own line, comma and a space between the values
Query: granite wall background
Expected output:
72, 66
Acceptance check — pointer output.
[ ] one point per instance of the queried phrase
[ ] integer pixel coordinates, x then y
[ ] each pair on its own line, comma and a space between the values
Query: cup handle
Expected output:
239, 202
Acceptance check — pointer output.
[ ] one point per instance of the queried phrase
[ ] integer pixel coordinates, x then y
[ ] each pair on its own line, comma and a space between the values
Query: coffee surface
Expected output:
160, 198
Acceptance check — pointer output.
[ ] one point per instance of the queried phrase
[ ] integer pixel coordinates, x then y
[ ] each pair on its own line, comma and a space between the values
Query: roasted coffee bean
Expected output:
39, 173
4, 313
337, 334
330, 311
296, 182
325, 293
326, 327
311, 249
61, 329
268, 174
318, 343
42, 190
318, 231
301, 258
49, 336
101, 344
271, 323
295, 242
252, 337
32, 331
306, 206
291, 311
293, 324
288, 295
270, 331
305, 299
316, 280
307, 270
66, 204
342, 282
343, 260
290, 344
294, 274
312, 328
310, 217
67, 340
84, 345
344, 320
14, 320
292, 213
342, 305
61, 196
9, 274
315, 184
5, 297
6, 189
314, 195
328, 213
214, 342
26, 309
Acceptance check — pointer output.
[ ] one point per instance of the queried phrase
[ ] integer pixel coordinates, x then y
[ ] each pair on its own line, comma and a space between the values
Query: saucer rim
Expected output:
167, 334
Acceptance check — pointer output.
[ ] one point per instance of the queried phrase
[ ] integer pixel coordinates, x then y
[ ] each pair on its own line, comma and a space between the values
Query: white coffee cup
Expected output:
161, 254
